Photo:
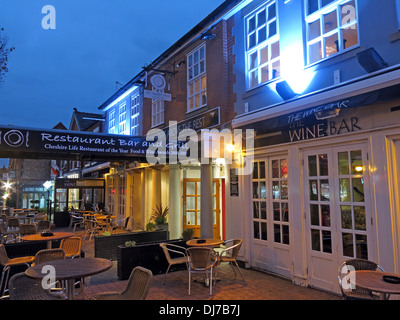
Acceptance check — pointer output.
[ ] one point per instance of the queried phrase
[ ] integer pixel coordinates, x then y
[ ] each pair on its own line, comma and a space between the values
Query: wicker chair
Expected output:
13, 223
136, 289
358, 293
7, 263
47, 255
72, 247
182, 257
201, 260
6, 234
26, 229
230, 255
43, 225
116, 225
24, 288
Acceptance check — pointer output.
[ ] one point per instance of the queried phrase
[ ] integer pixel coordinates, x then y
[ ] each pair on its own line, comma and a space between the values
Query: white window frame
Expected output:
135, 103
196, 78
344, 22
122, 118
259, 68
111, 122
157, 111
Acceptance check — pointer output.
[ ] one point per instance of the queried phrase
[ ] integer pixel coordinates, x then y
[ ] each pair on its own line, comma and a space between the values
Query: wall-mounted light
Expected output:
285, 91
178, 65
370, 60
208, 35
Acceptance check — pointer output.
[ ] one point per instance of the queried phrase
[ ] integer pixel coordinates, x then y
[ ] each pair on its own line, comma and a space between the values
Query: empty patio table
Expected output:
204, 242
49, 238
69, 270
382, 282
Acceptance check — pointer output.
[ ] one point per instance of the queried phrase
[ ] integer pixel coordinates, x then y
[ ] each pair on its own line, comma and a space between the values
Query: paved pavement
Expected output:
258, 285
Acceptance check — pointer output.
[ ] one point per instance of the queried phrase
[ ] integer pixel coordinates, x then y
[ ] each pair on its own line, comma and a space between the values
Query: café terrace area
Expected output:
102, 275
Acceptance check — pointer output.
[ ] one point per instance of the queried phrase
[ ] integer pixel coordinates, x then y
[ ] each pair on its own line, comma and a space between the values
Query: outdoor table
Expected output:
49, 239
373, 280
71, 269
105, 218
204, 242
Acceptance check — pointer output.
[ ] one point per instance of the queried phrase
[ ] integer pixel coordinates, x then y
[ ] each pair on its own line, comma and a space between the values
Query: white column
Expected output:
175, 223
206, 210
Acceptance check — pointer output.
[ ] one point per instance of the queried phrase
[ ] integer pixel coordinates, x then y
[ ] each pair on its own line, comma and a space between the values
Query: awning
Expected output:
28, 143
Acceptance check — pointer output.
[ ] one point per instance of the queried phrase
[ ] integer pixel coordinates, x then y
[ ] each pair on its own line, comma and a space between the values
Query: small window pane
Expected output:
263, 210
344, 190
263, 231
285, 212
358, 190
275, 51
262, 170
261, 18
361, 247
264, 55
277, 211
264, 74
324, 190
256, 209
331, 45
359, 218
350, 37
315, 52
275, 190
262, 35
263, 191
323, 164
252, 40
271, 11
313, 189
312, 166
330, 21
275, 168
343, 161
346, 216
285, 234
256, 193
284, 190
256, 227
326, 215
356, 162
255, 170
315, 240
277, 233
252, 24
347, 241
312, 6
314, 30
272, 29
314, 214
284, 168
326, 241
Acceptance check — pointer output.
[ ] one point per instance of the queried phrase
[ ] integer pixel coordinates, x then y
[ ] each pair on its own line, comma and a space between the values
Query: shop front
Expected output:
324, 189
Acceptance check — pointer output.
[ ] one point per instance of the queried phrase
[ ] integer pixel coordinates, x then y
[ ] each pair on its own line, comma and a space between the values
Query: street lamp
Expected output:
48, 184
7, 185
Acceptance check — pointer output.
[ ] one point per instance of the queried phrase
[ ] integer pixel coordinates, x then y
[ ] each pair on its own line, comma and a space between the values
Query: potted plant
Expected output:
150, 226
187, 234
160, 217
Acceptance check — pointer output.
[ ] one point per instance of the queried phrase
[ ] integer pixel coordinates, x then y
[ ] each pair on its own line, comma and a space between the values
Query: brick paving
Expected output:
258, 285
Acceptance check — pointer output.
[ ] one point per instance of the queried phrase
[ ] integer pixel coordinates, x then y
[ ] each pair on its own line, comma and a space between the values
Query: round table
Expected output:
204, 242
49, 239
373, 280
69, 270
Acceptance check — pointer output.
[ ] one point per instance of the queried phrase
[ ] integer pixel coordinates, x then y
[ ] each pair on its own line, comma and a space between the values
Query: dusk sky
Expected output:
95, 44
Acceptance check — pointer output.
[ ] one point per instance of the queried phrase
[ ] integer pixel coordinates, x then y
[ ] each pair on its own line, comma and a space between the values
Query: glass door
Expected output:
191, 206
336, 211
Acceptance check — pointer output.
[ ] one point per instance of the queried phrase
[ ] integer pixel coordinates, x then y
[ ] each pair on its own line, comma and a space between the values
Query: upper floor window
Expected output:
111, 122
331, 27
197, 79
262, 48
135, 115
122, 118
157, 111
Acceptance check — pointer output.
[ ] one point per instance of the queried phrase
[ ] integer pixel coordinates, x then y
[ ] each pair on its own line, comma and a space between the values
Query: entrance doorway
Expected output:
191, 206
337, 211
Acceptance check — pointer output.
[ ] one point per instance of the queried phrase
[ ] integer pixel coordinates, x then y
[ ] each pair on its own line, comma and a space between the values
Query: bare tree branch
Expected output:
4, 52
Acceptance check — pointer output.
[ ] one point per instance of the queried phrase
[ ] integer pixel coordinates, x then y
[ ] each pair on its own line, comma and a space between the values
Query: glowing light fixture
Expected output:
230, 147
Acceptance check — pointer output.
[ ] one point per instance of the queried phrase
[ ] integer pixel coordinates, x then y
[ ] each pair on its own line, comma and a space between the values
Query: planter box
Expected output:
147, 255
106, 246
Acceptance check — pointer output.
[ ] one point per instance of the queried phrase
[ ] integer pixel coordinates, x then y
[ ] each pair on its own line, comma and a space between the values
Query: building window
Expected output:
197, 79
135, 115
122, 118
270, 201
157, 111
331, 28
263, 52
111, 122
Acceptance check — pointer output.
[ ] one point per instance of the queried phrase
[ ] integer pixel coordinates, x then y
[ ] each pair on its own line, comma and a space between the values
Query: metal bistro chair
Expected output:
358, 293
174, 249
7, 263
72, 247
26, 229
21, 287
136, 289
230, 255
124, 226
43, 225
201, 260
6, 234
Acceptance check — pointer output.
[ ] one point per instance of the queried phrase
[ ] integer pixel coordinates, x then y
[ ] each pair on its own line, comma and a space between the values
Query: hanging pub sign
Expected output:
59, 144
